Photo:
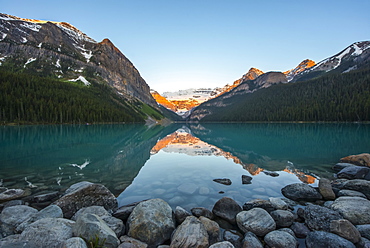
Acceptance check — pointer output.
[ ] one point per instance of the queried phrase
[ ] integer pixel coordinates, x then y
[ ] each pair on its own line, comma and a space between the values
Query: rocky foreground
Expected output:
336, 214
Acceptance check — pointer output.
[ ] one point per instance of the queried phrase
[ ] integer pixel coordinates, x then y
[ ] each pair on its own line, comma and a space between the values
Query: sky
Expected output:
181, 44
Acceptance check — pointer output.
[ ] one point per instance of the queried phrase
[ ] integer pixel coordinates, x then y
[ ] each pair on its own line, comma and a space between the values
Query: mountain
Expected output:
355, 56
335, 89
59, 51
183, 101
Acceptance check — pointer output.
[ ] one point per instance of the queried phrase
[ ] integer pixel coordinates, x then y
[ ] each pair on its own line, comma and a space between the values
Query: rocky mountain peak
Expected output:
252, 74
305, 64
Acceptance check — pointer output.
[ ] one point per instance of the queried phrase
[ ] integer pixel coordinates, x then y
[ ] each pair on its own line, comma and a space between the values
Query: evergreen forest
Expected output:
30, 99
337, 97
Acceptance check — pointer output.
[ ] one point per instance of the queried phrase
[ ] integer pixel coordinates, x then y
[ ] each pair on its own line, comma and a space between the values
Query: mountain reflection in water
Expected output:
182, 167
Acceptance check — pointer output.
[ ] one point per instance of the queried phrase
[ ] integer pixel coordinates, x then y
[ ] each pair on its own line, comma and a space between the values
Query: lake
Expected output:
177, 163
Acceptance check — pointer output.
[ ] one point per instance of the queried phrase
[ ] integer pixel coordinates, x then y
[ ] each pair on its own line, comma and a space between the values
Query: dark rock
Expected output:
364, 230
124, 212
353, 172
223, 244
15, 241
75, 242
251, 241
49, 232
325, 189
213, 229
91, 226
181, 214
128, 242
300, 230
271, 173
341, 166
346, 230
46, 197
227, 209
224, 181
301, 192
283, 218
13, 203
338, 183
12, 217
300, 213
202, 212
320, 239
280, 239
233, 237
246, 179
85, 195
364, 243
191, 233
347, 192
151, 222
360, 159
354, 209
256, 220
258, 203
319, 218
362, 186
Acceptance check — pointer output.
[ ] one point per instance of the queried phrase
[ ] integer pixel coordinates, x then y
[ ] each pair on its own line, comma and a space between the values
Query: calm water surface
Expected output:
176, 163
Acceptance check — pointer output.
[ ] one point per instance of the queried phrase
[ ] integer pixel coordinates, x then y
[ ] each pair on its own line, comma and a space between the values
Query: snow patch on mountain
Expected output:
82, 79
30, 60
32, 26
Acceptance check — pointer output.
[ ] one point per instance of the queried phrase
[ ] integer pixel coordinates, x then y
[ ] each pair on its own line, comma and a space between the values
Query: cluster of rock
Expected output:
335, 214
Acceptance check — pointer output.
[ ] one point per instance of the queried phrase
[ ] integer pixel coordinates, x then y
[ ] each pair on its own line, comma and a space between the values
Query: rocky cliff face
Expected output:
58, 49
305, 64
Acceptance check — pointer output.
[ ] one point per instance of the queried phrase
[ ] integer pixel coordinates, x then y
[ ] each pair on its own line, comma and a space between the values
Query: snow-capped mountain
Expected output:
60, 50
305, 64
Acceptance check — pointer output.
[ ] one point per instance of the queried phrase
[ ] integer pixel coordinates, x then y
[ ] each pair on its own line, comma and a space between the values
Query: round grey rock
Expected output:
223, 244
300, 230
227, 209
213, 229
12, 217
251, 241
360, 185
319, 218
301, 192
75, 242
280, 239
320, 239
364, 230
151, 222
345, 229
191, 233
354, 209
256, 220
181, 214
347, 192
278, 203
283, 218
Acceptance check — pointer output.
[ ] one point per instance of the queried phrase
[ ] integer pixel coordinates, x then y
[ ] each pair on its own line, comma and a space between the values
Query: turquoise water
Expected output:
176, 163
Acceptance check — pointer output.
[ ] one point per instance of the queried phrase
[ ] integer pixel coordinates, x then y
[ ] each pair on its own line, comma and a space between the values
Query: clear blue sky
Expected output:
179, 44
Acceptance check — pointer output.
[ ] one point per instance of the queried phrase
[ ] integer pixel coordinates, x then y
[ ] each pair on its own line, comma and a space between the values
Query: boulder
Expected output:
224, 181
319, 218
191, 233
181, 214
44, 197
12, 217
256, 220
354, 209
85, 194
75, 242
280, 239
227, 209
200, 211
283, 218
128, 242
348, 192
223, 244
246, 179
360, 185
233, 237
51, 211
301, 192
278, 203
300, 230
258, 203
91, 227
114, 223
346, 230
364, 230
325, 189
151, 222
15, 241
49, 232
354, 172
11, 194
213, 229
360, 159
124, 212
320, 239
251, 241
340, 166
